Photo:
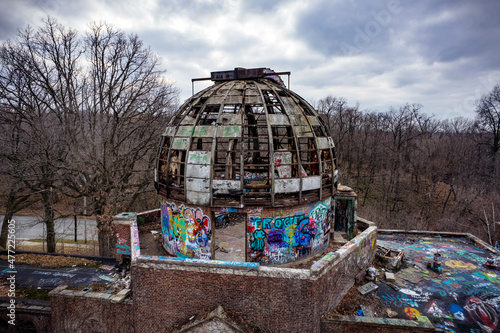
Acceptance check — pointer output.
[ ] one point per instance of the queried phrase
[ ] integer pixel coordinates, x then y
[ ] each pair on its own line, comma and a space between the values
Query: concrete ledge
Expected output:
61, 291
210, 266
333, 258
364, 223
361, 324
23, 306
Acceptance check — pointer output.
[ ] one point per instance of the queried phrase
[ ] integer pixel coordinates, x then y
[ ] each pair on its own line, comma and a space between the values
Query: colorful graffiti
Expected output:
285, 238
483, 313
464, 298
187, 232
122, 246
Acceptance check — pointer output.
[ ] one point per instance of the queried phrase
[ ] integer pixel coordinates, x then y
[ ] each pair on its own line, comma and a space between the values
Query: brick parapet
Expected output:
77, 311
273, 298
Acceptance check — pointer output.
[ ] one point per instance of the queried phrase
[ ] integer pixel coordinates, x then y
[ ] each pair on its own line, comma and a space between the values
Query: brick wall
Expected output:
90, 314
168, 293
28, 312
122, 239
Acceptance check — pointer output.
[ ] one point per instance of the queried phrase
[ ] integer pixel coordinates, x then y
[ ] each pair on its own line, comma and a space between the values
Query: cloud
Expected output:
440, 54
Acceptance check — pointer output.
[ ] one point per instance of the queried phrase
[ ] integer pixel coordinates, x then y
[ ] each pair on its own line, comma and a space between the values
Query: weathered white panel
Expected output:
323, 143
198, 171
286, 185
231, 119
169, 131
303, 131
290, 106
223, 186
311, 183
278, 119
188, 120
330, 140
233, 131
234, 99
204, 131
199, 157
253, 99
215, 100
198, 184
181, 143
198, 198
313, 120
185, 131
299, 120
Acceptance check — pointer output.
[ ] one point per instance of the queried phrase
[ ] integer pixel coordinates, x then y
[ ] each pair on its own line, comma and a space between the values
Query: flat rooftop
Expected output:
464, 297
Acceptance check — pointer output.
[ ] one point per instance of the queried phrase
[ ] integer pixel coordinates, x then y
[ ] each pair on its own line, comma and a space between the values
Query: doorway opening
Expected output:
230, 236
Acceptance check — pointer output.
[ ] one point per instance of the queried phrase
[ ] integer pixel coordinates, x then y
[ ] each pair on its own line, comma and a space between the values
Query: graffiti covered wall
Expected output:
186, 231
289, 236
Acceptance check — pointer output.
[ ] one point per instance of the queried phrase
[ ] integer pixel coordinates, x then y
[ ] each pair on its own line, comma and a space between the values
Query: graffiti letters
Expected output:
286, 238
187, 232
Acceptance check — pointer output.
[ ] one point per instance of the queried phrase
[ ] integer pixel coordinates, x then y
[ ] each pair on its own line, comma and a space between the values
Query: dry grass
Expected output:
45, 260
81, 249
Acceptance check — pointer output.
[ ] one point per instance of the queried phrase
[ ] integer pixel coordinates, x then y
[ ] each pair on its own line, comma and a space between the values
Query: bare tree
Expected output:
126, 103
488, 121
90, 111
488, 117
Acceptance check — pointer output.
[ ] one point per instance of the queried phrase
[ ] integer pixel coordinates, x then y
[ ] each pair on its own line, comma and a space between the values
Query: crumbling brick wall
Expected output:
277, 299
27, 314
83, 314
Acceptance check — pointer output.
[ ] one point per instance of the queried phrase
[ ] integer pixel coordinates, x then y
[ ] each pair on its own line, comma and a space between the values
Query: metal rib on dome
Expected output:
246, 142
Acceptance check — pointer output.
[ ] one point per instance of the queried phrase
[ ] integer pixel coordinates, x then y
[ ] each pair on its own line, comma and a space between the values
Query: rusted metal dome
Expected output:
246, 141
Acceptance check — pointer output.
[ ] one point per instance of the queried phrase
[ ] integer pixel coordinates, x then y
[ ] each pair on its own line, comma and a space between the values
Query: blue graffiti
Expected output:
258, 244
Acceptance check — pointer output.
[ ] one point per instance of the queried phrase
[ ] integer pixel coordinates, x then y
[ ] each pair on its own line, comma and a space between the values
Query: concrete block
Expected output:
389, 277
367, 288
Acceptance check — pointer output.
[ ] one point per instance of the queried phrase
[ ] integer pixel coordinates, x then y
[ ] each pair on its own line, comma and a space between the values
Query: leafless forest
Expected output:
81, 116
412, 171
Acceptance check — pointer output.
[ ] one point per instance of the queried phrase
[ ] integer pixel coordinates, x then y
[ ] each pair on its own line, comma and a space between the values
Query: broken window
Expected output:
272, 103
327, 167
204, 144
227, 159
256, 184
209, 115
308, 157
163, 165
285, 153
176, 174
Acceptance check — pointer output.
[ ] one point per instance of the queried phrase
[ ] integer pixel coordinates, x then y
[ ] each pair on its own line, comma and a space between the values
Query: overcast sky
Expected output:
441, 54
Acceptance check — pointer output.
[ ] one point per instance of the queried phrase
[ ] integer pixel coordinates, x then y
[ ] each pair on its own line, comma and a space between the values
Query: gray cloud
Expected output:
440, 54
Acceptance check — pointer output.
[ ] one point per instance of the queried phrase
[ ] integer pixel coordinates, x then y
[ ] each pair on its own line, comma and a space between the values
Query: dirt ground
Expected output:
151, 242
351, 304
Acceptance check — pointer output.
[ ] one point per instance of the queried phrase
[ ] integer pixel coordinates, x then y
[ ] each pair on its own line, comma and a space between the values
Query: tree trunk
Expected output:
5, 228
49, 220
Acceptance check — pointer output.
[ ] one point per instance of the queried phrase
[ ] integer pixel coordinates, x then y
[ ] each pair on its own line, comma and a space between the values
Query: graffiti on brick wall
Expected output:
122, 244
186, 231
287, 238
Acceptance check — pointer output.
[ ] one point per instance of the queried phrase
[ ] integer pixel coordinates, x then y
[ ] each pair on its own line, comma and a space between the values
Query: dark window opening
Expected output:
176, 171
273, 104
204, 144
209, 115
308, 157
285, 153
227, 159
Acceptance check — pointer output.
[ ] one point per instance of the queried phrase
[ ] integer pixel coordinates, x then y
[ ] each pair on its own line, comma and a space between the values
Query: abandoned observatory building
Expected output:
250, 147
254, 233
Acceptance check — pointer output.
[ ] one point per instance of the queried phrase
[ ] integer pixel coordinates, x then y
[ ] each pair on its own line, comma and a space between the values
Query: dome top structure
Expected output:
245, 141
